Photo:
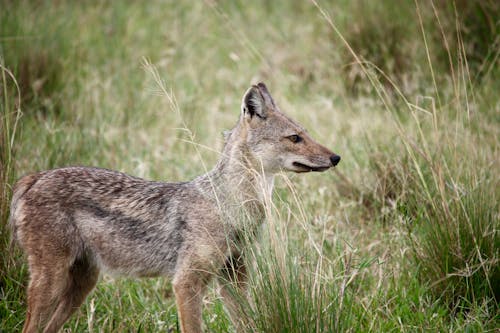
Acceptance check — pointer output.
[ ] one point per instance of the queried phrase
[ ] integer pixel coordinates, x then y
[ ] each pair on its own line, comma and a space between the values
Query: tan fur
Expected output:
75, 222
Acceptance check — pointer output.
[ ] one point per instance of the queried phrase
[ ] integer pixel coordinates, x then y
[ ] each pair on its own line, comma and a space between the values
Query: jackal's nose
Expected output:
335, 159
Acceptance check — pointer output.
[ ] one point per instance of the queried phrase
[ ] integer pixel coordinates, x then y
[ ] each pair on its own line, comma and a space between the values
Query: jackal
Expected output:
74, 222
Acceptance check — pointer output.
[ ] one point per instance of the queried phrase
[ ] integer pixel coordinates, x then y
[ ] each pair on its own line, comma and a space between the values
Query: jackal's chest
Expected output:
244, 213
243, 225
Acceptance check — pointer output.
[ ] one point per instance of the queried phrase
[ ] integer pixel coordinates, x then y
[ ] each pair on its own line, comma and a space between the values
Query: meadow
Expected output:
403, 236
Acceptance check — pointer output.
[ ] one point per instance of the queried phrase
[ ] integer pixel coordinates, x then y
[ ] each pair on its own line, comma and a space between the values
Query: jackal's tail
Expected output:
22, 186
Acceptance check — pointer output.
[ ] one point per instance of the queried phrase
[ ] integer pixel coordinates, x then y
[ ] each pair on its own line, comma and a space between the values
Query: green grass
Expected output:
402, 236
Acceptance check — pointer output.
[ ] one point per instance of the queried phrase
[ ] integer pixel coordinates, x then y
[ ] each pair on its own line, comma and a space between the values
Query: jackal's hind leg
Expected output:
82, 279
44, 291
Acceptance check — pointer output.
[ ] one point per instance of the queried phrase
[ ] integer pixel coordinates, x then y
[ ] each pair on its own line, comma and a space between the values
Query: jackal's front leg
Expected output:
233, 288
189, 288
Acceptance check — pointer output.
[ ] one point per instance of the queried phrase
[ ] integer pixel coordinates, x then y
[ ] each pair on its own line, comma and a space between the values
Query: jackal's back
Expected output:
123, 223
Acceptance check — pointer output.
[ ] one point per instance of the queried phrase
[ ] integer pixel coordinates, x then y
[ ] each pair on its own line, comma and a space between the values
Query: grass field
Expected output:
402, 236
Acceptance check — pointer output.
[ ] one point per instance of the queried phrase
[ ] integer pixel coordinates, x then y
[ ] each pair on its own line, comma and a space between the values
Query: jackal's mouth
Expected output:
307, 168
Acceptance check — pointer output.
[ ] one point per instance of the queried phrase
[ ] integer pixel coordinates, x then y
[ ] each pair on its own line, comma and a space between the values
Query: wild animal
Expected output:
75, 222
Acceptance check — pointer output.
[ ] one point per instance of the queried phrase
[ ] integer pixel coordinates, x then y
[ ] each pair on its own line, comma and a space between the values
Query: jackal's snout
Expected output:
317, 163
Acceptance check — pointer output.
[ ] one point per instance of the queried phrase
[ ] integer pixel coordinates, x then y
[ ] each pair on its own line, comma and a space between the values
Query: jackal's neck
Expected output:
237, 176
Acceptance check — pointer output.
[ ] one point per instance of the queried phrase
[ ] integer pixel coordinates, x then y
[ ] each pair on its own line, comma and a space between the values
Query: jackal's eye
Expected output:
295, 138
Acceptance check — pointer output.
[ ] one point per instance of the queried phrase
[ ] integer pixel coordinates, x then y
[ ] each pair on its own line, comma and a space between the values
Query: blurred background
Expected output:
402, 236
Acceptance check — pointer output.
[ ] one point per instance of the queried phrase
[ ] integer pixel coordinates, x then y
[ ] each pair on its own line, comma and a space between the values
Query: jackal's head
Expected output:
277, 142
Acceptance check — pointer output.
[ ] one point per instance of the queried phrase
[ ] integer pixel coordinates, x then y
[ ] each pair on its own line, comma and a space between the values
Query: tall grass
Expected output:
440, 185
292, 286
10, 114
402, 236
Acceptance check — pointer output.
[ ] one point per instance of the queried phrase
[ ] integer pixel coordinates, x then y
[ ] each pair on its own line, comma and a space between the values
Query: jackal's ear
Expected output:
257, 102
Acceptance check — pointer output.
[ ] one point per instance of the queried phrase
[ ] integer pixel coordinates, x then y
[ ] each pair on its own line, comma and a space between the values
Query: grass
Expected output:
402, 236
